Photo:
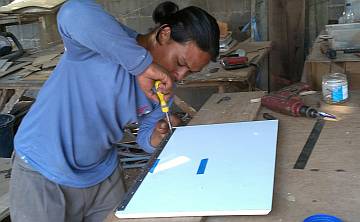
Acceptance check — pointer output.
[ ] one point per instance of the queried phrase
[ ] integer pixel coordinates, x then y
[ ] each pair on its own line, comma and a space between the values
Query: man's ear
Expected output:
164, 34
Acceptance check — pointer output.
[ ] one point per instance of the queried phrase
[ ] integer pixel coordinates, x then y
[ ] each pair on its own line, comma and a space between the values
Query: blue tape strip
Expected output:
154, 165
202, 166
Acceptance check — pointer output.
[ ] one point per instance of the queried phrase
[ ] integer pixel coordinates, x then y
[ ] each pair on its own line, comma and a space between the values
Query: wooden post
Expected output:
49, 34
260, 10
286, 30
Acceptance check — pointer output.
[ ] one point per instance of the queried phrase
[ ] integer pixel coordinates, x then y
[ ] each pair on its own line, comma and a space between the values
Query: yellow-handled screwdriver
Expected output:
163, 104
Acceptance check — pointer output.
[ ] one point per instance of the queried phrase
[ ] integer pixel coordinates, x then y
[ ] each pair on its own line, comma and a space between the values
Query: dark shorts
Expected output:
34, 198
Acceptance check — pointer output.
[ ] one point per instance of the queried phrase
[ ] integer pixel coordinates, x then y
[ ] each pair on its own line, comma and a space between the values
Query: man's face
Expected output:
180, 59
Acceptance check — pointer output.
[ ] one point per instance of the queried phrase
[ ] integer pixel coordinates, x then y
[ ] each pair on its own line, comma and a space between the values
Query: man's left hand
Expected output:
162, 129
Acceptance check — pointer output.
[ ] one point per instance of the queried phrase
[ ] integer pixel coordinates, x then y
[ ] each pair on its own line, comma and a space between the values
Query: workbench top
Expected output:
330, 181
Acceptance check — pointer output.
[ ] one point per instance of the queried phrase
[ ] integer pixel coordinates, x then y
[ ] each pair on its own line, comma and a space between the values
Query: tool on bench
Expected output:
234, 62
310, 144
6, 47
163, 104
288, 101
326, 48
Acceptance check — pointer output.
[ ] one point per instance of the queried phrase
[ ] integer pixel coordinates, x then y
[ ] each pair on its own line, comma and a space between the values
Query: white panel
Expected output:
238, 178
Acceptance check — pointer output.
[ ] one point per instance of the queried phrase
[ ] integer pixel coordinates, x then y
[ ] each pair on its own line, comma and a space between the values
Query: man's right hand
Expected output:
147, 80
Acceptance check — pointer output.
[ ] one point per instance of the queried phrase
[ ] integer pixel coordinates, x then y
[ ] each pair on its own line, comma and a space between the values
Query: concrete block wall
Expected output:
137, 13
27, 34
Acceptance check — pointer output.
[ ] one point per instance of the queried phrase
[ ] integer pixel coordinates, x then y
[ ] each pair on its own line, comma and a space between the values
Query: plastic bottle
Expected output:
349, 15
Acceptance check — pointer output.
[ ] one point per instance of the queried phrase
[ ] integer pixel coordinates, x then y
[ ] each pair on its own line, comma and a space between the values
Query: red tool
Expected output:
234, 62
288, 101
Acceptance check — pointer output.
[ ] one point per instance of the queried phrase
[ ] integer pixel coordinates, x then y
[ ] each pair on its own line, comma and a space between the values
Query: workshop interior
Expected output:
180, 111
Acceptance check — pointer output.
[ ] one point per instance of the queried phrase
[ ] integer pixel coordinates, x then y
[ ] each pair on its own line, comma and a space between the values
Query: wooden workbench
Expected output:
317, 65
330, 181
20, 80
215, 76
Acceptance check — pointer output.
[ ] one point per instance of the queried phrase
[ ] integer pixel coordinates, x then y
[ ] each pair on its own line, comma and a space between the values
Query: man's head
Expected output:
186, 40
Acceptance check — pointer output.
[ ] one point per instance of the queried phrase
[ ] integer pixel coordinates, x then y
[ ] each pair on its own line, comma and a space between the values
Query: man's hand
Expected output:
147, 79
162, 129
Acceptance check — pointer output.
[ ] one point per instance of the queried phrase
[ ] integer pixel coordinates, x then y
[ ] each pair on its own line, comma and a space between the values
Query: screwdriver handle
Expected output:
163, 104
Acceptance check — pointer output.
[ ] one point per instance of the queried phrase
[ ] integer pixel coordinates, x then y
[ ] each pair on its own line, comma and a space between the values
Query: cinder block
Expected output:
146, 24
122, 7
148, 7
337, 2
222, 16
236, 5
200, 3
217, 6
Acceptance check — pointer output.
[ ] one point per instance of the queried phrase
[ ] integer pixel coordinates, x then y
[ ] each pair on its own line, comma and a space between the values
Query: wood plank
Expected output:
2, 62
4, 206
184, 106
44, 59
52, 63
14, 68
5, 96
5, 66
42, 75
13, 100
32, 68
239, 108
25, 72
5, 165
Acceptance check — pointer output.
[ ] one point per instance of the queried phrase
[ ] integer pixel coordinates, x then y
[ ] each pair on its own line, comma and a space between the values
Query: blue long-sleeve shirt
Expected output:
91, 95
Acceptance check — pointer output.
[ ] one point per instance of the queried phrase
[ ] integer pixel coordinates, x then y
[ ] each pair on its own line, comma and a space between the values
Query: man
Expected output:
65, 168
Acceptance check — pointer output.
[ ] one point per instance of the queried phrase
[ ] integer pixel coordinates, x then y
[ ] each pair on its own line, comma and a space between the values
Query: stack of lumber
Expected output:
35, 65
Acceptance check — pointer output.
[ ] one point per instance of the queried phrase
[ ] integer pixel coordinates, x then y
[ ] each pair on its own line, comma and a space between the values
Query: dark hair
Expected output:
190, 23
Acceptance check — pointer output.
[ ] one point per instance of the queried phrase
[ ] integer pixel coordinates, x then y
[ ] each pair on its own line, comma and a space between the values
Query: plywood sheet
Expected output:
238, 108
13, 69
199, 175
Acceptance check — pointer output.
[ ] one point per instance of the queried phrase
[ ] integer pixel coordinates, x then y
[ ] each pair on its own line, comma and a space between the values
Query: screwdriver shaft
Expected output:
168, 120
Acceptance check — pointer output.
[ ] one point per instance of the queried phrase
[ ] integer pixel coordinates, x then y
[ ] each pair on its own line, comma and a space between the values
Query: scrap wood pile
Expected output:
33, 65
